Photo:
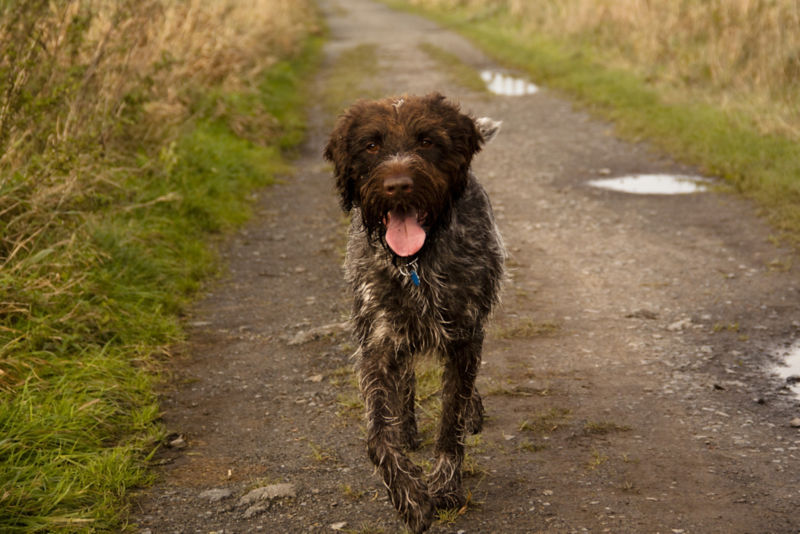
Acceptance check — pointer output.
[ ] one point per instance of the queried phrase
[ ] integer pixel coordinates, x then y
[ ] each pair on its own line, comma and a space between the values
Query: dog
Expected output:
424, 262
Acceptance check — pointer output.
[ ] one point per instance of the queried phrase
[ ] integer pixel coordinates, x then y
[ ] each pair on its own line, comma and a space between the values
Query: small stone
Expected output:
795, 423
178, 443
267, 493
642, 314
216, 494
305, 336
255, 510
338, 526
677, 326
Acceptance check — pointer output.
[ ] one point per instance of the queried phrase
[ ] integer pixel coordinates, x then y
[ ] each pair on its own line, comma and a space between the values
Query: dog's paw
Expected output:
450, 500
445, 484
418, 518
410, 497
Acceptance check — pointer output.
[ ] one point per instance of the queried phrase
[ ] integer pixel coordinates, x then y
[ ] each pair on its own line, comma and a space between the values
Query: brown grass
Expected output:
88, 86
745, 53
86, 62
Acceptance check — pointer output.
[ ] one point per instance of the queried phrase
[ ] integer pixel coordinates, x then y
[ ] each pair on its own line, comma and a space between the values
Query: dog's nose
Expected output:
397, 184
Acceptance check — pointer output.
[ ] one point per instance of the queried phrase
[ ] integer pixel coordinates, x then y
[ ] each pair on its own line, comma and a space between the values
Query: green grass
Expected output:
90, 306
724, 144
546, 422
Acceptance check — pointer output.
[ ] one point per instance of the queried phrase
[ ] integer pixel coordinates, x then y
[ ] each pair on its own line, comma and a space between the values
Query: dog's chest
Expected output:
390, 306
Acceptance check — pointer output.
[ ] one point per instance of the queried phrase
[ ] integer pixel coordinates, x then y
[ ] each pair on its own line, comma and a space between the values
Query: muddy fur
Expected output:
436, 301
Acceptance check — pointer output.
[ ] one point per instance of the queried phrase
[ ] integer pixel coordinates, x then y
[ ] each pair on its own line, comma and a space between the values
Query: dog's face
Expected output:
402, 161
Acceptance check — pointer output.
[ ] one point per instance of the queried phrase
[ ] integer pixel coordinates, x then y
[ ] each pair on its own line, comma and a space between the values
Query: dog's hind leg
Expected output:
458, 417
379, 371
475, 413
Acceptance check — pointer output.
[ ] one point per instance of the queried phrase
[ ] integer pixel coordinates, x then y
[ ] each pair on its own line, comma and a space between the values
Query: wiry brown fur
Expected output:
428, 140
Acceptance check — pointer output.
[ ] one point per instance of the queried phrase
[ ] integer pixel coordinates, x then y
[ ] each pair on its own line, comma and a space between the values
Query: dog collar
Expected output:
410, 270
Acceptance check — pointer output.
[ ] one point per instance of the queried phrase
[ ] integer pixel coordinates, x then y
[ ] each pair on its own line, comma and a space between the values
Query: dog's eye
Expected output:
425, 142
373, 147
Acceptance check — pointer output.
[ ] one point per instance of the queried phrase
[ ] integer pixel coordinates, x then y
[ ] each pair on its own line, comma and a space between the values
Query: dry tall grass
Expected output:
83, 61
746, 52
89, 86
86, 84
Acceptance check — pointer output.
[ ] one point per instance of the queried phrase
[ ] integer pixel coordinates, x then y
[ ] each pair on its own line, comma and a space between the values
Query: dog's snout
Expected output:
398, 184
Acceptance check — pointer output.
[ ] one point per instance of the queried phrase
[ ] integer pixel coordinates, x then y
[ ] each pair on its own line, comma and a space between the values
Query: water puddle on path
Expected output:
654, 184
503, 84
789, 370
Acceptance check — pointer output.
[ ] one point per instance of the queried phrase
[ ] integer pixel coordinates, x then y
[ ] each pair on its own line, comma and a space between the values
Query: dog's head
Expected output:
403, 161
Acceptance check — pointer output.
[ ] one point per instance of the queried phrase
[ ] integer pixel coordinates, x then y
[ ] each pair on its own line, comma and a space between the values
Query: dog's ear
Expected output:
488, 128
468, 137
337, 152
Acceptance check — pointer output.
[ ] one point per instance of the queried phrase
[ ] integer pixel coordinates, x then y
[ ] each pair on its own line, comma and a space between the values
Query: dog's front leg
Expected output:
379, 372
458, 417
407, 387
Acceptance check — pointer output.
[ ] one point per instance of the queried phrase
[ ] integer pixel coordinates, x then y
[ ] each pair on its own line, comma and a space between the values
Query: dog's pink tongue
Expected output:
404, 235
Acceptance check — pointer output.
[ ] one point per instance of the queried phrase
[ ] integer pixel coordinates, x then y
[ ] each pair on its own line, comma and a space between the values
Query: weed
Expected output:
350, 404
517, 391
527, 328
343, 377
730, 327
447, 516
350, 493
367, 528
596, 460
530, 446
321, 454
471, 466
450, 515
601, 428
546, 422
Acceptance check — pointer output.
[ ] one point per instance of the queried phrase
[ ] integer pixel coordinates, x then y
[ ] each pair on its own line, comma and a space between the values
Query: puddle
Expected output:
503, 84
654, 184
790, 366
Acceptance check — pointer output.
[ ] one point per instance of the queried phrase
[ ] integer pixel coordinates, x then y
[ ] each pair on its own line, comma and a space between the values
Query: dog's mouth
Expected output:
405, 233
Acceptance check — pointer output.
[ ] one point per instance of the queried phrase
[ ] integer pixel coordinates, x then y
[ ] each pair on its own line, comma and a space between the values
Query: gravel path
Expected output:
624, 373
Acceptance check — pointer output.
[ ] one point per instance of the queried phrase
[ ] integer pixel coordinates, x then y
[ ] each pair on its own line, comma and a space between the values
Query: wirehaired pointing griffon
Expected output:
424, 262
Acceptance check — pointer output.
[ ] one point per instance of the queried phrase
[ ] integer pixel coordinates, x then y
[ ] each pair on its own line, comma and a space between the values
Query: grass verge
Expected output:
765, 167
91, 301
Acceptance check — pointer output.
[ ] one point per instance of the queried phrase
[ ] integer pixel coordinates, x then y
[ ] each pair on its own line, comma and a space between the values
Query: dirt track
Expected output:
623, 373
